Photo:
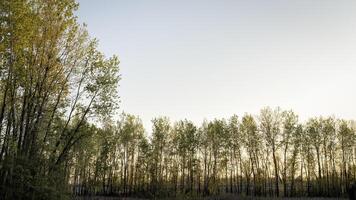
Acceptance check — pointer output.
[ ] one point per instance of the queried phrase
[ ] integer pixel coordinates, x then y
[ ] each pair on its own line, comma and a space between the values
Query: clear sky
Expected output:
199, 59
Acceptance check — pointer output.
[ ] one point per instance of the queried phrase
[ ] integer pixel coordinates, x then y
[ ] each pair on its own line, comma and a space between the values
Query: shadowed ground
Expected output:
212, 198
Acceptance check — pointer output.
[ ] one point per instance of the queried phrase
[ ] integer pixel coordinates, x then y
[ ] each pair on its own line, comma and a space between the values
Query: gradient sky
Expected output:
199, 59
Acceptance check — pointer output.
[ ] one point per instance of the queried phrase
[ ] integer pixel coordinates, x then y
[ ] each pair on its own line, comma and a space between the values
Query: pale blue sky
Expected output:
199, 59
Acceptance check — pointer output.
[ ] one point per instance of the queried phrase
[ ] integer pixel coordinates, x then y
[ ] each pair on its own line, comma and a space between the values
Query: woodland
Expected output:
59, 137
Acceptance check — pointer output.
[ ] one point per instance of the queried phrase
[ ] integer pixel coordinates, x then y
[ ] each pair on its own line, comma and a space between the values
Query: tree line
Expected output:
271, 154
58, 136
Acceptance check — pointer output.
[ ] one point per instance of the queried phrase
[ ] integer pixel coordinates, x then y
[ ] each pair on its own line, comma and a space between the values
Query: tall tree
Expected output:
160, 132
289, 128
53, 80
252, 143
347, 140
314, 134
270, 125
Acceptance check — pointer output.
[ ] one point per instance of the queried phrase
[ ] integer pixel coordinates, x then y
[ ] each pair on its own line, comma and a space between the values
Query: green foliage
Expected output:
53, 82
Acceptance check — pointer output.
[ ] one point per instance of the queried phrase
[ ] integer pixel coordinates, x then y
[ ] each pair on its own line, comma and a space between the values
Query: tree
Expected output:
347, 140
160, 132
235, 151
314, 135
289, 129
216, 134
53, 81
252, 142
296, 141
270, 122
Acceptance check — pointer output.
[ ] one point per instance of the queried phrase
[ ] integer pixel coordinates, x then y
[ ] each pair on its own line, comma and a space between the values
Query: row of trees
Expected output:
53, 82
271, 154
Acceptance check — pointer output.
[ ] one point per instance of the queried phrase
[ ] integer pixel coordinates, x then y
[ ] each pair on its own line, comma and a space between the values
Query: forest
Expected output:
59, 137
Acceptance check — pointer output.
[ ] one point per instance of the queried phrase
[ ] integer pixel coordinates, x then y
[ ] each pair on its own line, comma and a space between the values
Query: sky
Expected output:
206, 59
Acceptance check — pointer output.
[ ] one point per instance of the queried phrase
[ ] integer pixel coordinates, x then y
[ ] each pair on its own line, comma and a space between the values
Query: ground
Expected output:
214, 198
